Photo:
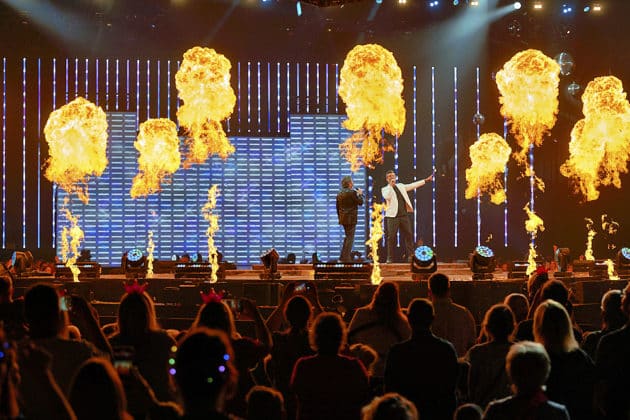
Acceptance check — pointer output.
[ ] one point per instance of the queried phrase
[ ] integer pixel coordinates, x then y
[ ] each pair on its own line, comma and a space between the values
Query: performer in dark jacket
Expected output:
348, 200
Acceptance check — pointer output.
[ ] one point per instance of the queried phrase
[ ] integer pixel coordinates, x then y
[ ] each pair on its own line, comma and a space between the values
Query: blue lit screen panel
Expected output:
276, 192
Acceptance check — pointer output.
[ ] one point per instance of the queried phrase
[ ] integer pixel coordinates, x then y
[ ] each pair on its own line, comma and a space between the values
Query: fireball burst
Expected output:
203, 83
371, 86
489, 156
159, 158
376, 233
77, 139
213, 227
600, 143
528, 84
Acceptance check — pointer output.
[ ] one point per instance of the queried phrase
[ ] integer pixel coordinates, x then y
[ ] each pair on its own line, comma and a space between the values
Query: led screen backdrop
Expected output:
276, 192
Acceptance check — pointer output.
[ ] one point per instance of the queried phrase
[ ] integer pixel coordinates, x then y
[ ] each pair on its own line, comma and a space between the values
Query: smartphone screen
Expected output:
301, 287
123, 359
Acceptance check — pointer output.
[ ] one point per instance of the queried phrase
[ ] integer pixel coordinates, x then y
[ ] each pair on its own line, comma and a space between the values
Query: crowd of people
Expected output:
529, 360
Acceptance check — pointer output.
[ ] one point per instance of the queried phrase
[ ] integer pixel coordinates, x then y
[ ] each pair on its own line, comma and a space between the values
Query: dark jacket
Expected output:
347, 202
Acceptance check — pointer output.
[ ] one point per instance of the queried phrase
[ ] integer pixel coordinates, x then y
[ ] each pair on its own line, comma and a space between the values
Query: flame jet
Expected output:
150, 250
528, 84
77, 140
600, 142
376, 233
203, 83
159, 157
489, 156
590, 226
213, 227
533, 224
371, 86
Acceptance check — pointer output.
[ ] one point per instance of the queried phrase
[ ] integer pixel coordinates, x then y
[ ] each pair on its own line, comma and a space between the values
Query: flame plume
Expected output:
376, 233
77, 139
150, 249
203, 83
588, 254
159, 157
72, 247
371, 86
600, 143
611, 270
213, 227
489, 156
528, 84
533, 225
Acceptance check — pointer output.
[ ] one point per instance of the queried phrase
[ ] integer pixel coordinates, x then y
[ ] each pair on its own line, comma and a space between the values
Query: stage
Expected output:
178, 299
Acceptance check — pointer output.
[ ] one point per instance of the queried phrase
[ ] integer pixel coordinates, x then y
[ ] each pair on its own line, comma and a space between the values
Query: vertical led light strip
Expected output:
336, 87
76, 77
96, 74
158, 83
117, 83
268, 97
317, 85
478, 127
455, 138
54, 196
238, 97
168, 89
278, 95
505, 178
297, 87
258, 93
326, 88
433, 184
39, 152
127, 81
107, 84
87, 84
308, 88
23, 152
249, 95
149, 90
67, 80
137, 93
4, 152
288, 97
415, 139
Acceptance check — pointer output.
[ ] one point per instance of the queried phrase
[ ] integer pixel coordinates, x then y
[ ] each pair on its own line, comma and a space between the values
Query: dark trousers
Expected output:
406, 236
348, 241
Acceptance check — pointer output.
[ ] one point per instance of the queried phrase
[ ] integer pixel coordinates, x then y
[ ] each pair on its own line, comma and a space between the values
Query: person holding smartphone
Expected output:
348, 201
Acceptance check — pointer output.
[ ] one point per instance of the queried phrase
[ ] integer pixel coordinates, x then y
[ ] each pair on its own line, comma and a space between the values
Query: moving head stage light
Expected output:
423, 262
562, 256
482, 263
134, 264
270, 259
622, 262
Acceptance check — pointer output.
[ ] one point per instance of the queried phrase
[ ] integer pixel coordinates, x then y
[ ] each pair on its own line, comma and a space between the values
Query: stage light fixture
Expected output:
134, 264
482, 263
88, 271
423, 262
597, 7
622, 262
341, 270
22, 262
270, 259
474, 3
566, 9
538, 5
562, 256
517, 5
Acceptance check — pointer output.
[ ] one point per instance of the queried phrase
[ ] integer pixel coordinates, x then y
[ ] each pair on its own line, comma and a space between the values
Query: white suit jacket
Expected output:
392, 199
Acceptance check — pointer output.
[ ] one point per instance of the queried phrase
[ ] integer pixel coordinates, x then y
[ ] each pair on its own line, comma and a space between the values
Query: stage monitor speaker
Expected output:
88, 271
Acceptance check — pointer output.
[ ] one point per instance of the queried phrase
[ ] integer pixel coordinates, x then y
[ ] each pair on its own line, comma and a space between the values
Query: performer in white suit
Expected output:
398, 208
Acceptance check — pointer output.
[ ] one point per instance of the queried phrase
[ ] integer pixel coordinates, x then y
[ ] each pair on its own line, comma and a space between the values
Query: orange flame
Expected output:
489, 156
528, 84
150, 249
533, 225
213, 227
611, 270
203, 82
588, 254
371, 85
77, 139
376, 233
600, 143
159, 157
76, 236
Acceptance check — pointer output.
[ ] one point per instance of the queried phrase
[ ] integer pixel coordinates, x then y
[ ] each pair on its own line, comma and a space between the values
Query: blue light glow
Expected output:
424, 253
484, 251
456, 144
433, 146
298, 8
625, 252
134, 255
